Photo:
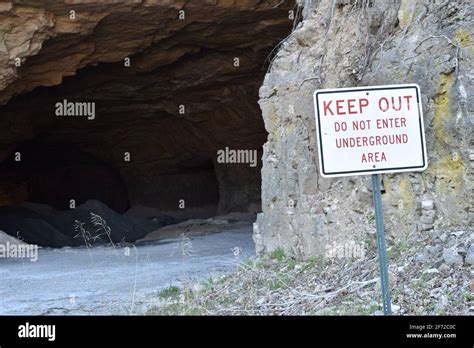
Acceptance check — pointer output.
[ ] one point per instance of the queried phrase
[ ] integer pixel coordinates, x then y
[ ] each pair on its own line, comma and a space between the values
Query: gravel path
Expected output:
103, 280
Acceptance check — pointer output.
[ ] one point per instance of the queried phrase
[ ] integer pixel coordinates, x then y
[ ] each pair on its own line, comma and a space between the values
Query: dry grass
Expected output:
278, 285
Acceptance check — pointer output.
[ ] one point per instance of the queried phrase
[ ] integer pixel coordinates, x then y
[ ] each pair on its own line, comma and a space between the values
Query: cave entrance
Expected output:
127, 122
59, 175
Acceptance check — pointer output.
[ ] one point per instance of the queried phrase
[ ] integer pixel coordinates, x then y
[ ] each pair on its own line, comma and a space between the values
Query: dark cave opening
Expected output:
132, 132
139, 173
56, 173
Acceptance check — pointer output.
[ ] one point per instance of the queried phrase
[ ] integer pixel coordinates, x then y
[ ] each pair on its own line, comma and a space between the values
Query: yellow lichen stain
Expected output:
405, 13
461, 37
389, 197
387, 186
450, 172
270, 116
406, 193
441, 106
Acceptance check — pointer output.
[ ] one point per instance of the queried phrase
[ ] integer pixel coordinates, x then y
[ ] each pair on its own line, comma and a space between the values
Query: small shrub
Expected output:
277, 254
170, 291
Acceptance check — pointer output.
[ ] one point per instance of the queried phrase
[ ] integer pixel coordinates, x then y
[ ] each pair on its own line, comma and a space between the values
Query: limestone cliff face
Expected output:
358, 43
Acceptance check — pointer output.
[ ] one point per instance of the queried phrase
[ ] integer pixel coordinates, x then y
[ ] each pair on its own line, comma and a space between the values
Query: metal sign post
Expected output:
371, 130
381, 248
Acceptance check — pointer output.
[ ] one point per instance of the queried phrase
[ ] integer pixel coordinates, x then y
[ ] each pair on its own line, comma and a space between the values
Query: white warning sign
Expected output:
370, 130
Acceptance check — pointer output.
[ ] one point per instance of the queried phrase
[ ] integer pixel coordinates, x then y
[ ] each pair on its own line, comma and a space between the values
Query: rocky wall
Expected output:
360, 43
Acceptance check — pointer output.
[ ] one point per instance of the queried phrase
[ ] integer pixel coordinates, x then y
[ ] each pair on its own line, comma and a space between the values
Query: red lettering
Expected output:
407, 97
339, 107
345, 107
373, 157
351, 106
363, 103
383, 108
391, 123
326, 107
399, 107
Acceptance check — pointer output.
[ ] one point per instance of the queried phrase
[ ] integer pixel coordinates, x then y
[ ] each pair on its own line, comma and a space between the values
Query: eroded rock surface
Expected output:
358, 43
